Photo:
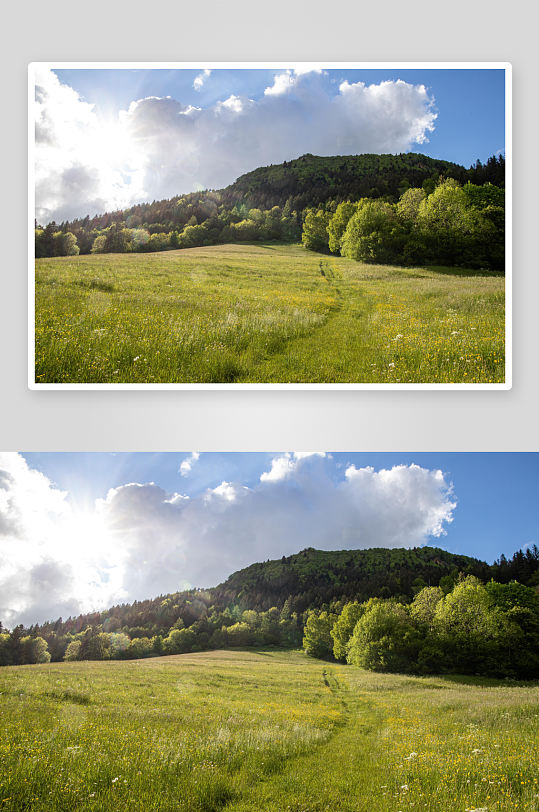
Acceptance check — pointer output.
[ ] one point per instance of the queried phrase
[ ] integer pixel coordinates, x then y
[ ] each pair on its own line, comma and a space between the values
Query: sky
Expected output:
85, 531
107, 138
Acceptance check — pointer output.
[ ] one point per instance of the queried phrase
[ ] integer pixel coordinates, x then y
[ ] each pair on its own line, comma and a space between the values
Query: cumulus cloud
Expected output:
186, 466
285, 466
288, 81
200, 79
142, 540
38, 538
160, 147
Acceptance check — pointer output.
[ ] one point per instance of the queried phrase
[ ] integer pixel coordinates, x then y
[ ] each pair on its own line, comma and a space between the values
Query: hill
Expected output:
315, 578
311, 180
267, 203
265, 603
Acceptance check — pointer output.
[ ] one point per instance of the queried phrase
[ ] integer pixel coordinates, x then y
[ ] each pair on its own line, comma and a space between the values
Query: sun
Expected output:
93, 539
112, 145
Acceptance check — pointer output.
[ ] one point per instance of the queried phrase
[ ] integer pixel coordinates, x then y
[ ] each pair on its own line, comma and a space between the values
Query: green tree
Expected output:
72, 651
118, 241
179, 641
139, 238
408, 205
423, 608
344, 628
40, 247
339, 222
467, 629
4, 648
247, 230
240, 634
119, 642
99, 648
315, 235
454, 232
98, 245
481, 197
374, 234
139, 648
317, 639
40, 651
15, 646
157, 242
193, 236
384, 639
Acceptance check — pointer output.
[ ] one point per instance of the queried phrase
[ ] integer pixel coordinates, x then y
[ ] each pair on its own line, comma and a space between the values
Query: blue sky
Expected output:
87, 530
495, 492
470, 106
107, 138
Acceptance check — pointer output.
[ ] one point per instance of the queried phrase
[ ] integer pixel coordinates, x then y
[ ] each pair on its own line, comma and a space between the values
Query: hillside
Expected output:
267, 203
313, 578
265, 603
310, 180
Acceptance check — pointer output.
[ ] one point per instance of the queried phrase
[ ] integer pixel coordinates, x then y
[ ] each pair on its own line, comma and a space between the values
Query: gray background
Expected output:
250, 31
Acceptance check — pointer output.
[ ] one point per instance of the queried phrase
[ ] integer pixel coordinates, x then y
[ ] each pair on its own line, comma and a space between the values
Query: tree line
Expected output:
267, 603
473, 628
454, 225
271, 203
108, 639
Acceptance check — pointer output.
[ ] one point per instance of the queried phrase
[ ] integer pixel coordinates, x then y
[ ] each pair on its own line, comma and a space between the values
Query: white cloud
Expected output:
186, 466
159, 147
200, 79
283, 467
51, 562
287, 82
142, 541
83, 165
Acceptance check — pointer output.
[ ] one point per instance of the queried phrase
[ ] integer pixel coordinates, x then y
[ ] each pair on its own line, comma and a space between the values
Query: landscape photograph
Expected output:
303, 631
269, 226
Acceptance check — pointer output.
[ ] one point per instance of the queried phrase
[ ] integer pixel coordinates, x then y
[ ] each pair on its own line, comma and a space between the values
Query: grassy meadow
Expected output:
262, 730
267, 313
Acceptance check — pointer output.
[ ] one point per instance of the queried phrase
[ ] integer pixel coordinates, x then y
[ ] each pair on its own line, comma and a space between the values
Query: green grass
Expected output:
262, 730
264, 314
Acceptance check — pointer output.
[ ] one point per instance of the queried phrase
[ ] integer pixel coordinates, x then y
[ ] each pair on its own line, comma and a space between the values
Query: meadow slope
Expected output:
261, 730
266, 313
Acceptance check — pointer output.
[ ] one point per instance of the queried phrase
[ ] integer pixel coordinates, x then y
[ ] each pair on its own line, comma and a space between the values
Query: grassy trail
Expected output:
336, 345
263, 314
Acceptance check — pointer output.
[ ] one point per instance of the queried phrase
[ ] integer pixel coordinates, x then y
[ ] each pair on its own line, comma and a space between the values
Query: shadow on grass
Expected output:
488, 682
446, 270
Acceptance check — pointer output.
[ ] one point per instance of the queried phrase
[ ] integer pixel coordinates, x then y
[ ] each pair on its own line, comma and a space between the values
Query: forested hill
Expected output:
314, 578
269, 203
311, 180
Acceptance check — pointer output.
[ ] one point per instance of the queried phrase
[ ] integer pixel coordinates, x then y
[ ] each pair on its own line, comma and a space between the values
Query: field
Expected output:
268, 313
262, 730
